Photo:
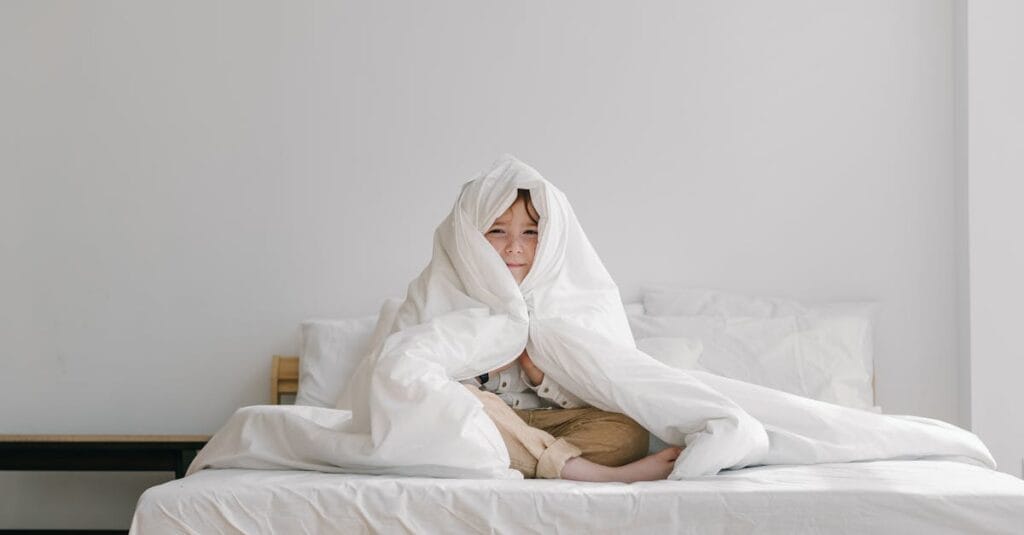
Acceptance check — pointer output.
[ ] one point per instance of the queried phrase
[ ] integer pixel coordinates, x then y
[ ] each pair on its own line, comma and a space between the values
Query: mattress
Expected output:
870, 497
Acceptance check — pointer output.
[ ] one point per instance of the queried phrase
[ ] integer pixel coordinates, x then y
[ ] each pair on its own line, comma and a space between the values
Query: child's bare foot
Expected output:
655, 466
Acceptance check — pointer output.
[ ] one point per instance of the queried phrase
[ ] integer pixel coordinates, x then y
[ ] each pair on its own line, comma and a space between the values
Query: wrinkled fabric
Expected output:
876, 498
404, 411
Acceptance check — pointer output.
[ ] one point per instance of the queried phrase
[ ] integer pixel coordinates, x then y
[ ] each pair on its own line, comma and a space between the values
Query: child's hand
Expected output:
532, 372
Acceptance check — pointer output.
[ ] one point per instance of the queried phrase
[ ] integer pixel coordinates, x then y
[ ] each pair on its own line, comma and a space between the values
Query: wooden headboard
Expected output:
284, 377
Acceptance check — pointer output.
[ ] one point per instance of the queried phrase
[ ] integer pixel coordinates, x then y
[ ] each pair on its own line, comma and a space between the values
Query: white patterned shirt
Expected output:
514, 388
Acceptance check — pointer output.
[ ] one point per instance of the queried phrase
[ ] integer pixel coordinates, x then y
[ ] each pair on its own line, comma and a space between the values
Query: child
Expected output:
549, 432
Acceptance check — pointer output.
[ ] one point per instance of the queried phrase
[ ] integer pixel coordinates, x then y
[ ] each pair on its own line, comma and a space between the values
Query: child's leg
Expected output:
614, 446
532, 451
606, 438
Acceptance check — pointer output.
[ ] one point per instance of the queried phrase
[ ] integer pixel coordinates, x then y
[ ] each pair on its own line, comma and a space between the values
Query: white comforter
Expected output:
404, 412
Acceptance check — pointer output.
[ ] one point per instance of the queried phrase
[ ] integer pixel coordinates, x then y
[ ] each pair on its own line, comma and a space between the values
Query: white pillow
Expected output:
330, 350
708, 302
822, 351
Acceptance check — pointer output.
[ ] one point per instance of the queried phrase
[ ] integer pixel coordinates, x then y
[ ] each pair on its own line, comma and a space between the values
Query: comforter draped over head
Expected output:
404, 412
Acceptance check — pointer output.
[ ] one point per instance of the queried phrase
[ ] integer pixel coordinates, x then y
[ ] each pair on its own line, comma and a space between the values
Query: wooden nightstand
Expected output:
171, 453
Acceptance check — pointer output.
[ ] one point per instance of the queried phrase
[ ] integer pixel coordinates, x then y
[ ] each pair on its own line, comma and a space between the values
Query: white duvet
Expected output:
405, 413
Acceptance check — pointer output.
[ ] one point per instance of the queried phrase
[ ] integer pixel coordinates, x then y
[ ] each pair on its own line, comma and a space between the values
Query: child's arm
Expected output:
531, 370
547, 388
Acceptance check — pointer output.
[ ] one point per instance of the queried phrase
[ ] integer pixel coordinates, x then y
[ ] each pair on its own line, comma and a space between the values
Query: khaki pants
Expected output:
540, 441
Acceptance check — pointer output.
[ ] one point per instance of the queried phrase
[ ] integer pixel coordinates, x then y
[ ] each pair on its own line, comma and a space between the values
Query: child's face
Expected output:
514, 237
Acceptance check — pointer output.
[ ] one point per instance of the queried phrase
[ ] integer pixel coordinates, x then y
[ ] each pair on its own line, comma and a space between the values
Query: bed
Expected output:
872, 497
772, 342
921, 496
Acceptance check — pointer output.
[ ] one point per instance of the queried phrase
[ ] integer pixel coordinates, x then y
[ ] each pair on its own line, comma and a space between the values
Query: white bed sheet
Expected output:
870, 497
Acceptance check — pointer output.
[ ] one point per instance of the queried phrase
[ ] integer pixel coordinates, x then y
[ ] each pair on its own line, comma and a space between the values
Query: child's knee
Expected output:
635, 439
623, 441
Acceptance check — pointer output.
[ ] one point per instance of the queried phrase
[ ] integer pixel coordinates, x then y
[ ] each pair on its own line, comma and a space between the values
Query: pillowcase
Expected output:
822, 352
330, 350
708, 302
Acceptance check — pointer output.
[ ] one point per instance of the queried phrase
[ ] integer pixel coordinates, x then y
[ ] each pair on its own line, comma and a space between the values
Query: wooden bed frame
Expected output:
284, 379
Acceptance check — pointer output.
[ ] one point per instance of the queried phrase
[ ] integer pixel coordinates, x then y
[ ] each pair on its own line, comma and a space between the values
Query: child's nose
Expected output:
514, 245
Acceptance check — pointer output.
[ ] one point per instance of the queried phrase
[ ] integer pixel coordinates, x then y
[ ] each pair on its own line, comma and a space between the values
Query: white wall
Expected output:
183, 183
996, 165
962, 233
